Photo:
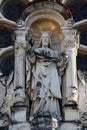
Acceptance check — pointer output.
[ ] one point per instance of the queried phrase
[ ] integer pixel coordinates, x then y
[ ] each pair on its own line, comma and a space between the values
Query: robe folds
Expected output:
45, 82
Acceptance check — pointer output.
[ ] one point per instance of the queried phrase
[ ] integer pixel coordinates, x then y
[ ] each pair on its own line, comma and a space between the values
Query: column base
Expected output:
19, 114
71, 114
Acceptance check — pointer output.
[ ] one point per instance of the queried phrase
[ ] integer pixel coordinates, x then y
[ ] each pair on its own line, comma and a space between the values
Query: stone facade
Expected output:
45, 90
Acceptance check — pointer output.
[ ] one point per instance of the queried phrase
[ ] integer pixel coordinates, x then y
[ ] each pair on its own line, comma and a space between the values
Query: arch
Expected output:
45, 4
40, 17
10, 9
45, 13
4, 52
7, 23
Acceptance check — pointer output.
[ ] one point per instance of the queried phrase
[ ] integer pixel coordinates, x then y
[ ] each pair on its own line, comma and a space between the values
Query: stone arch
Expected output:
39, 18
45, 4
10, 9
54, 12
45, 13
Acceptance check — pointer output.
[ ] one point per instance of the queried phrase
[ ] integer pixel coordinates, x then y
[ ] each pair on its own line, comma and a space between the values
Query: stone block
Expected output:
19, 115
71, 114
70, 126
21, 126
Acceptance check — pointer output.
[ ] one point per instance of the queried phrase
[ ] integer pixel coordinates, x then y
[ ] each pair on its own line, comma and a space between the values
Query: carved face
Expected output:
45, 39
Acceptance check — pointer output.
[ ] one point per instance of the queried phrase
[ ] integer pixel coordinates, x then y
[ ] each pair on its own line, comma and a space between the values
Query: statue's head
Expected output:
45, 39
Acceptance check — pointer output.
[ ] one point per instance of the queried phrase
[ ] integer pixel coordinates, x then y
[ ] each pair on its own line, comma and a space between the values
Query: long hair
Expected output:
49, 41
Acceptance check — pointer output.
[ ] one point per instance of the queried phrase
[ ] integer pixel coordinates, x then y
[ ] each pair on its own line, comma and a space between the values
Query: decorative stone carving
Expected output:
2, 88
9, 96
19, 77
19, 107
6, 98
70, 46
48, 76
70, 85
43, 81
82, 82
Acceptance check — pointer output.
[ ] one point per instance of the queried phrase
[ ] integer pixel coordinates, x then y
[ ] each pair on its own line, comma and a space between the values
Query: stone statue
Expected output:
44, 70
2, 89
6, 94
82, 82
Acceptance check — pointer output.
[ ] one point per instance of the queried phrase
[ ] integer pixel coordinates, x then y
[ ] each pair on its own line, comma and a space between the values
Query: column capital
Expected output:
71, 37
20, 35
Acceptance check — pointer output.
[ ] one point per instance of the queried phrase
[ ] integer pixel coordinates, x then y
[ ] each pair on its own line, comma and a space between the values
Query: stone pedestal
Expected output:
21, 126
45, 123
70, 126
71, 114
19, 114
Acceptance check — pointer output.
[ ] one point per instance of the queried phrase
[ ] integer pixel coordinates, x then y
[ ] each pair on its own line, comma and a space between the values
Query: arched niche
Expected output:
48, 16
45, 13
46, 20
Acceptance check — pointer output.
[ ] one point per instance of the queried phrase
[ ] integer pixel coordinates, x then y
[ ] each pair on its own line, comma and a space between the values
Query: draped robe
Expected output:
44, 87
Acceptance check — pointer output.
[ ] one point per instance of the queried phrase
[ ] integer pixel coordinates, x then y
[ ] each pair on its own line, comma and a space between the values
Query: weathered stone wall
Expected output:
16, 42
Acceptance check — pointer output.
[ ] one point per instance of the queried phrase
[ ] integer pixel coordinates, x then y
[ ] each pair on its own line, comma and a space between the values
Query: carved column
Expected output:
19, 109
70, 47
70, 88
20, 46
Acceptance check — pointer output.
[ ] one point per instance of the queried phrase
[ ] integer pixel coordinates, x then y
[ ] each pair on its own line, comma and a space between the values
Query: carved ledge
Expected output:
65, 1
7, 23
83, 49
82, 25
